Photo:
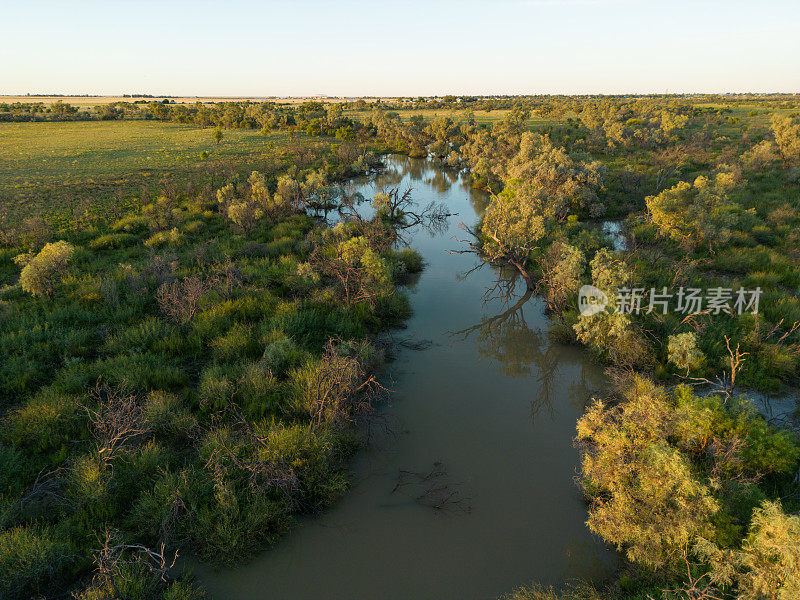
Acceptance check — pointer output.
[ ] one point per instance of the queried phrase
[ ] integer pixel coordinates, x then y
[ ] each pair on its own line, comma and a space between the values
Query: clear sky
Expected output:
409, 48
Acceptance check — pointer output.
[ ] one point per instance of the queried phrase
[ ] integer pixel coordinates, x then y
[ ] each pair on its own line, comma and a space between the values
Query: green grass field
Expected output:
44, 166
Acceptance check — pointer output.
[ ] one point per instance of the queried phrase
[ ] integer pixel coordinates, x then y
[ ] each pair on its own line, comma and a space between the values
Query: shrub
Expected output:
113, 240
318, 457
216, 388
683, 351
167, 415
132, 224
32, 561
282, 354
171, 237
236, 343
195, 226
258, 392
14, 470
579, 591
45, 270
411, 260
229, 528
46, 424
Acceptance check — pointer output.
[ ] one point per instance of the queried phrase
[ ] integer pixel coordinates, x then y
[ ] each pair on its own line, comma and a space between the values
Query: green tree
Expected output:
787, 135
683, 351
512, 227
562, 268
645, 497
693, 213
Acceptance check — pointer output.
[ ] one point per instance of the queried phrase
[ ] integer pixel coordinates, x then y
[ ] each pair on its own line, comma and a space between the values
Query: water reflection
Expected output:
504, 336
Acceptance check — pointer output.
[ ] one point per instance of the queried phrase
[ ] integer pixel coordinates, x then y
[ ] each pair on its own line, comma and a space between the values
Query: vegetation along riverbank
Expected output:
187, 348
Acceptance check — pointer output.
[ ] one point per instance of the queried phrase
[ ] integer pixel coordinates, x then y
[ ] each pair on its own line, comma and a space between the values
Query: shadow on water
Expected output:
475, 495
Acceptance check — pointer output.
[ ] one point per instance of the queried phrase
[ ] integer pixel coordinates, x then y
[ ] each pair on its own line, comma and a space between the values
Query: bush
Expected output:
45, 425
33, 560
318, 457
166, 413
113, 240
132, 224
216, 388
683, 351
171, 237
45, 270
258, 392
282, 354
580, 591
411, 260
235, 344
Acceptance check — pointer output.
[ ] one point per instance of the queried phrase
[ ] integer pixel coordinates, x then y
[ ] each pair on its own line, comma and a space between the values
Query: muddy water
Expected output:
472, 493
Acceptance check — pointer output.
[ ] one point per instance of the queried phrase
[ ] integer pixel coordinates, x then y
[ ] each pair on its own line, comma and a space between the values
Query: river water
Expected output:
471, 494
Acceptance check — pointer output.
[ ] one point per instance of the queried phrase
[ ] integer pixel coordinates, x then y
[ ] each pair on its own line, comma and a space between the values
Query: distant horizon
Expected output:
146, 95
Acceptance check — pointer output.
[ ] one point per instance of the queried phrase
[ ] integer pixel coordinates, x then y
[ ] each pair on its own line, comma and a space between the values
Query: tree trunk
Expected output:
531, 285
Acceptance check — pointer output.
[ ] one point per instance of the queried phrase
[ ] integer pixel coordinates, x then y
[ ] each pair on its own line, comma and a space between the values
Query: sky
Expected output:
398, 48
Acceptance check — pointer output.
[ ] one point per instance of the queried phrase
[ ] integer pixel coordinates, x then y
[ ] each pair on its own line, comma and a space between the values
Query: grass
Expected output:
200, 382
45, 165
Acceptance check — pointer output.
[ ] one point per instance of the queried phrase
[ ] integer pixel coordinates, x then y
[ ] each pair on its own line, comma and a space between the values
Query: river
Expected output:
471, 493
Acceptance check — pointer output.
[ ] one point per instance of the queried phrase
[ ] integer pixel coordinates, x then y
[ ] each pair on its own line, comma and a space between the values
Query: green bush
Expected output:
171, 237
33, 560
46, 424
259, 392
281, 353
113, 240
236, 343
132, 224
46, 270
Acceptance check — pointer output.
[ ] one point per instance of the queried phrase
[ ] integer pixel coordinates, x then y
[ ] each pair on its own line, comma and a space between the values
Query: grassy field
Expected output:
45, 168
45, 165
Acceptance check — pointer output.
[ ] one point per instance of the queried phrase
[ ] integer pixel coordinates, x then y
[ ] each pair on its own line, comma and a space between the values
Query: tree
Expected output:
258, 203
569, 182
683, 351
645, 496
770, 557
562, 268
787, 136
45, 270
613, 337
61, 110
399, 211
512, 227
610, 272
217, 135
693, 213
768, 565
361, 274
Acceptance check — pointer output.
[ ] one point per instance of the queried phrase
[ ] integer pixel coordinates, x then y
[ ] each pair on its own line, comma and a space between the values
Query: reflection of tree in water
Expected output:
388, 178
442, 179
520, 350
398, 167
